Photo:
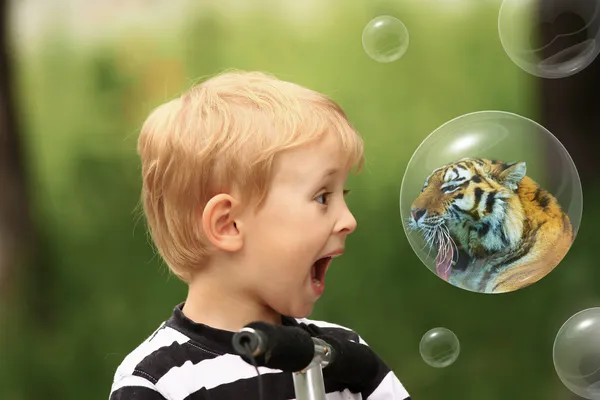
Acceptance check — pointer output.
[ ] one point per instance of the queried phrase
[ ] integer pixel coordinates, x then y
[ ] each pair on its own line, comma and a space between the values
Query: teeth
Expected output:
317, 282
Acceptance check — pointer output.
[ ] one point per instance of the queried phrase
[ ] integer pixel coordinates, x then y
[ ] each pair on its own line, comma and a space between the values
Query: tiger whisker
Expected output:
429, 241
425, 234
447, 246
452, 242
431, 237
435, 234
451, 245
440, 239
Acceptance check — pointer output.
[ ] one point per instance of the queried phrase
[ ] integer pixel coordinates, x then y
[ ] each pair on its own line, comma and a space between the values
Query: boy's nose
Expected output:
347, 222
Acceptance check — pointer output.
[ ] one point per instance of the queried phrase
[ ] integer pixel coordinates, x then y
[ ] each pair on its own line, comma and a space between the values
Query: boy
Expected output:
243, 190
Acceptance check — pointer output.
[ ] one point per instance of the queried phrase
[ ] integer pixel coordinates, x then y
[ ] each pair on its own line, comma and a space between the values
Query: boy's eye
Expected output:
323, 196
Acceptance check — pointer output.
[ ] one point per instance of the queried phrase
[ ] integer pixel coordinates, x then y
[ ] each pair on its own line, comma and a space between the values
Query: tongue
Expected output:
443, 262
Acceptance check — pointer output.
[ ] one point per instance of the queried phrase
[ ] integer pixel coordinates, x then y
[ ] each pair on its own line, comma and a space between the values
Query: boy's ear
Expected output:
218, 223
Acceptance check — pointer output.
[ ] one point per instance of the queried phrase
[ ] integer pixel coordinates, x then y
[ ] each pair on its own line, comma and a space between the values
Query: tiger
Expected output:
496, 230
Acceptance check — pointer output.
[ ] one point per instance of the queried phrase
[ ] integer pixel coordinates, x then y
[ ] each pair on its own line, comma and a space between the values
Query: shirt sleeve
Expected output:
133, 387
385, 385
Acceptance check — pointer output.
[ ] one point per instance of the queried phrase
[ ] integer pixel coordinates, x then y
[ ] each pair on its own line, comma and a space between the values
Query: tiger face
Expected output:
459, 206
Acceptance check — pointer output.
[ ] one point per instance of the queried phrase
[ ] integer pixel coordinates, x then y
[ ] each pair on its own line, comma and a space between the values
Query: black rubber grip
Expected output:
353, 364
287, 348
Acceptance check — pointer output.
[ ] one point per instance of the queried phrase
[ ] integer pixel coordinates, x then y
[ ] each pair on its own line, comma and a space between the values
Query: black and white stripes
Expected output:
183, 360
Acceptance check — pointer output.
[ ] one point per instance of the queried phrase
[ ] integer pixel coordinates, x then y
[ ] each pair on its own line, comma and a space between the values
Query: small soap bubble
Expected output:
576, 353
550, 38
385, 39
439, 347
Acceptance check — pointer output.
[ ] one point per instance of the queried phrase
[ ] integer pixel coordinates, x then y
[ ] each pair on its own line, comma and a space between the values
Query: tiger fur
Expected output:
508, 231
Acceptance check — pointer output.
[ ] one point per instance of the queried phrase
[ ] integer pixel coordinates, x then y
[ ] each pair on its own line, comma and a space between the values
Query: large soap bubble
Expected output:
491, 202
576, 353
550, 38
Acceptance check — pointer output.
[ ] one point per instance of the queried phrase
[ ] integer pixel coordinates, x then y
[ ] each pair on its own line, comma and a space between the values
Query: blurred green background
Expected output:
98, 289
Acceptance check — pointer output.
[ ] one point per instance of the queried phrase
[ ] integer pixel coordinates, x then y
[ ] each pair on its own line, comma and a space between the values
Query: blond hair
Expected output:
221, 134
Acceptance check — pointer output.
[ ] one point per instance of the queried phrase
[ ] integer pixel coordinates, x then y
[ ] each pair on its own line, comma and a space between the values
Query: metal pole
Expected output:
309, 383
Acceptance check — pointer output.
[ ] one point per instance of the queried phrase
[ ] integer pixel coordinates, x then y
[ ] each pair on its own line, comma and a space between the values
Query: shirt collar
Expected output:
217, 340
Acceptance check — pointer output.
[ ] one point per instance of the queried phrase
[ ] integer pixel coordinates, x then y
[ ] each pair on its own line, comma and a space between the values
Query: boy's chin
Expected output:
298, 311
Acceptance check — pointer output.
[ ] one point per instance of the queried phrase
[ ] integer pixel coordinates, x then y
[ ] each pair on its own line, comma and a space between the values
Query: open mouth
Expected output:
319, 269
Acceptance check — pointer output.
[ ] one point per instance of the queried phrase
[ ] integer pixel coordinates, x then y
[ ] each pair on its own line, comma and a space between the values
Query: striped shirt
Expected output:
184, 360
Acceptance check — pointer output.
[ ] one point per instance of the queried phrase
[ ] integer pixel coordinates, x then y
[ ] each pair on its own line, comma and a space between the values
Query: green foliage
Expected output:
99, 289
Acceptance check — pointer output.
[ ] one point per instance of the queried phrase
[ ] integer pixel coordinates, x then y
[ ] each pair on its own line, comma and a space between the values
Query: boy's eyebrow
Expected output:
330, 171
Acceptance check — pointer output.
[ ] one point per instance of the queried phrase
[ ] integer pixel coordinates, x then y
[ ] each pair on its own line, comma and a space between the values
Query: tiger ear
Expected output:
511, 176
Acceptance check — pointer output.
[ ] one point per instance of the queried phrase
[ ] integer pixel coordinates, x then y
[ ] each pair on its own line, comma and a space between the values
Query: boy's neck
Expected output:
210, 304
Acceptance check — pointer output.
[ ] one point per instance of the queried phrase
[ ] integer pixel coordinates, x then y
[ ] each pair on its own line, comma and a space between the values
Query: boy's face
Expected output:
304, 218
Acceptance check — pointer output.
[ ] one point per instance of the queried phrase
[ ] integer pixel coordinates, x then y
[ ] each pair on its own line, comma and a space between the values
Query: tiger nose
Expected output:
417, 213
